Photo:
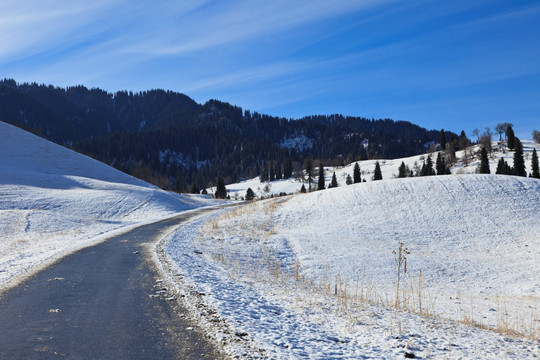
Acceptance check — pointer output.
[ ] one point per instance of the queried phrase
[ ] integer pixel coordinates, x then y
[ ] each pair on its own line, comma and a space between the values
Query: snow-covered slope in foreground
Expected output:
54, 201
314, 276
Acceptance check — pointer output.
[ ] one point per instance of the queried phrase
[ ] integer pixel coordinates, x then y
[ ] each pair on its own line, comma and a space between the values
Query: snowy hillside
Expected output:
54, 201
467, 162
314, 275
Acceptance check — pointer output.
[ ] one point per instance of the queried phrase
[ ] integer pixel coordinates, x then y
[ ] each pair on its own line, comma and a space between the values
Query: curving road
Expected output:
101, 303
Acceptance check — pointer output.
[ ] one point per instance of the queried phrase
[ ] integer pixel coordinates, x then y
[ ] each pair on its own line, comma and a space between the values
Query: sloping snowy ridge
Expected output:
54, 201
314, 276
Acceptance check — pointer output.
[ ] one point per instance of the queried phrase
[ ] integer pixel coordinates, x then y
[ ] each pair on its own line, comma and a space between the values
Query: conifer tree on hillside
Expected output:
440, 165
303, 189
377, 174
427, 167
534, 165
221, 191
519, 163
402, 171
442, 140
356, 174
463, 141
250, 195
510, 138
503, 168
308, 167
349, 180
320, 184
333, 182
484, 162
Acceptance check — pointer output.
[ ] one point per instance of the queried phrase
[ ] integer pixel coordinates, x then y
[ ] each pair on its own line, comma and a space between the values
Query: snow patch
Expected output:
300, 142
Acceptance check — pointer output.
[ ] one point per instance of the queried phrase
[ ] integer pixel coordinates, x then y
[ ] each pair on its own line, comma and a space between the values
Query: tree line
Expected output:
168, 139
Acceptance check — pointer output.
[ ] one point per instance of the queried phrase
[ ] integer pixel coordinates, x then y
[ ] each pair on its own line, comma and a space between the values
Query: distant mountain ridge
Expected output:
167, 138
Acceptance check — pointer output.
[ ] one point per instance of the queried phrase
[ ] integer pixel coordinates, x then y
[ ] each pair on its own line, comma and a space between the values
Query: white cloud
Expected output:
243, 20
30, 28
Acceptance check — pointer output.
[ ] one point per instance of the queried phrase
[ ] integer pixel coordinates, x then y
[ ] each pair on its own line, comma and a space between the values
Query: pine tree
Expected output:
440, 165
303, 189
534, 165
484, 162
333, 183
463, 141
250, 195
510, 138
320, 184
427, 167
377, 174
402, 171
519, 163
356, 174
442, 140
221, 191
349, 180
500, 167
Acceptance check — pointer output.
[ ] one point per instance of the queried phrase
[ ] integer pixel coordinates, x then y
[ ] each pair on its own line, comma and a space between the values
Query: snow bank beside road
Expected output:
54, 201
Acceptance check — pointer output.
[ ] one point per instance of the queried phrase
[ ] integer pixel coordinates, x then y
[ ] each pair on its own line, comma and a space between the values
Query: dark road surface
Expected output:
97, 304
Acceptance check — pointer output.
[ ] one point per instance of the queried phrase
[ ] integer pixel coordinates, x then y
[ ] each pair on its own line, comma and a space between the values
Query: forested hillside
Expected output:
167, 138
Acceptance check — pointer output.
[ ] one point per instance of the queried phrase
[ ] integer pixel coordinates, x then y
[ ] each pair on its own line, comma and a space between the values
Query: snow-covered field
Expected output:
54, 201
314, 276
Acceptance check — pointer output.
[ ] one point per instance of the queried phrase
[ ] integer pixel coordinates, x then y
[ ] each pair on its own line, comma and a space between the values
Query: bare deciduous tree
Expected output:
536, 136
500, 129
486, 139
476, 133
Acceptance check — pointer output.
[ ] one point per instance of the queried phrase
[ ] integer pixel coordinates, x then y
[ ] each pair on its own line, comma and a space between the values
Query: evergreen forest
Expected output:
168, 139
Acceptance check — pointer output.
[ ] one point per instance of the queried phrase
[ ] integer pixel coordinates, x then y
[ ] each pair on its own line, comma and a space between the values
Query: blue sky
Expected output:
440, 64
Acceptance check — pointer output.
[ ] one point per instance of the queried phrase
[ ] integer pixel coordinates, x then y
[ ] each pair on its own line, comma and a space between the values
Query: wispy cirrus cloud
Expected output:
34, 27
241, 20
27, 28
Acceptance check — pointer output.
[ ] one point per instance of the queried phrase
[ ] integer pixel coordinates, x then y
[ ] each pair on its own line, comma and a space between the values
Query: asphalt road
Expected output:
100, 303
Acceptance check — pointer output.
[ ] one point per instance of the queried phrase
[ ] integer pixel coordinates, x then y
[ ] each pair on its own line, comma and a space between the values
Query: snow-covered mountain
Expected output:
54, 201
314, 275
